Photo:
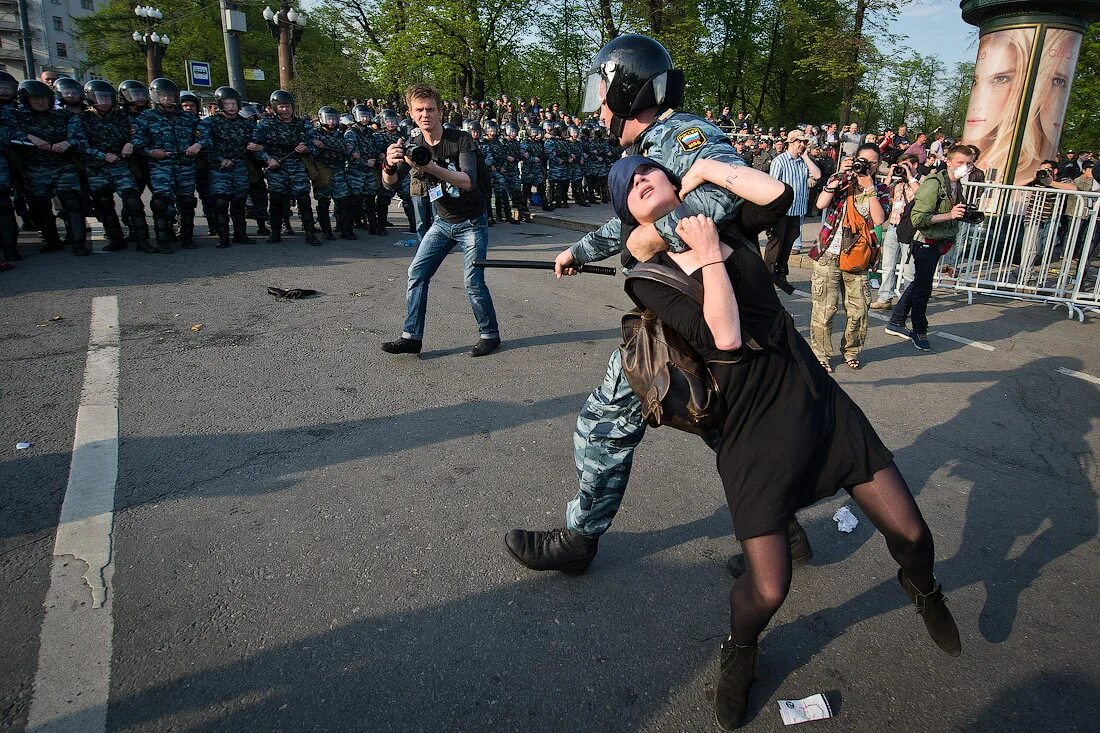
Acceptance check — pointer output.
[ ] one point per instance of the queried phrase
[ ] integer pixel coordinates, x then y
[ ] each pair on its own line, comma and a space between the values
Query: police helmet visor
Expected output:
167, 97
595, 89
103, 101
7, 89
346, 119
136, 96
70, 95
329, 118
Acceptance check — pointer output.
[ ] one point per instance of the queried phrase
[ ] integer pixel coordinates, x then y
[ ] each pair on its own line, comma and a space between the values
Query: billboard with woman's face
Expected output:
1001, 74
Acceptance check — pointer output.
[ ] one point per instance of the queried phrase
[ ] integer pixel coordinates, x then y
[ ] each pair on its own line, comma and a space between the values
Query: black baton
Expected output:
542, 265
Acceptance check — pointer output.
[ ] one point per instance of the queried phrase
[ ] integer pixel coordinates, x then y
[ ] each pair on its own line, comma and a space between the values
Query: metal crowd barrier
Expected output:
1035, 244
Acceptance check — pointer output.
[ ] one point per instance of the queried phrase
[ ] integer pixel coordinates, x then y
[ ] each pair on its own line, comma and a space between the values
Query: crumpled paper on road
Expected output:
845, 520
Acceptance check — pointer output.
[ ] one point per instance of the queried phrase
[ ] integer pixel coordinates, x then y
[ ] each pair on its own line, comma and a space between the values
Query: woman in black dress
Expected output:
790, 436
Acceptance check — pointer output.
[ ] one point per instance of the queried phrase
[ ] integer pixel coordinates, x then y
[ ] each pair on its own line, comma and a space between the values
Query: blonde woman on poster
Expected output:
1000, 75
1049, 101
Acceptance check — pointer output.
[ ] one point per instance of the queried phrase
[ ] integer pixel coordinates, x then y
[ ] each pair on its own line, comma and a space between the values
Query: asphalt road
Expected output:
308, 531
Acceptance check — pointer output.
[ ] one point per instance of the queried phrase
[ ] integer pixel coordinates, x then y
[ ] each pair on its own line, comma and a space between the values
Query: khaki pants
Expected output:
828, 284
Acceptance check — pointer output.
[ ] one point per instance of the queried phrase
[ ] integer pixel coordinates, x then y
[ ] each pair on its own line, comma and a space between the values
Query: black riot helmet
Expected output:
189, 96
511, 130
450, 126
546, 126
228, 100
134, 93
471, 125
534, 132
164, 92
70, 91
388, 118
630, 74
282, 96
250, 112
31, 88
491, 127
574, 132
557, 129
328, 117
100, 95
408, 127
347, 120
361, 113
8, 85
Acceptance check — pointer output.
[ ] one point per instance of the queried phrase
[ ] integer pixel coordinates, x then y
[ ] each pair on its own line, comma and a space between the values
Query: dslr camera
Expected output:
899, 174
1044, 177
861, 167
972, 215
418, 154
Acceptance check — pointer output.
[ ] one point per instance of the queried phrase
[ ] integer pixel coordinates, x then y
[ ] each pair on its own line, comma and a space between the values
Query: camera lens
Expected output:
419, 155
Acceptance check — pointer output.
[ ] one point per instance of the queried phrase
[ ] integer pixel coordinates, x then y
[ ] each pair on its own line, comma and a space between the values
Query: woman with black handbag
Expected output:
775, 395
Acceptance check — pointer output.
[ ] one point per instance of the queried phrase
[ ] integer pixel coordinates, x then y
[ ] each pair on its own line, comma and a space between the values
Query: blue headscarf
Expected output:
621, 178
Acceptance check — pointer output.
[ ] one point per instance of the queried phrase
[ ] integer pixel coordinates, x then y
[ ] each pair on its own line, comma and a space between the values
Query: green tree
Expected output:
1082, 123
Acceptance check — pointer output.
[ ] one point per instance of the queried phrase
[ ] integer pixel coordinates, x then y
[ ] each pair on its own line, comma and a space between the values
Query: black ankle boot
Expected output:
403, 346
736, 673
801, 552
932, 607
559, 549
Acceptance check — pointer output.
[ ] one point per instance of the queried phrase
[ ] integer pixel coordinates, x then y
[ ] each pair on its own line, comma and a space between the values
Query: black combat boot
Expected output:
238, 215
133, 210
77, 227
220, 220
380, 209
9, 229
932, 607
305, 211
187, 221
41, 210
347, 217
104, 202
162, 230
275, 216
323, 220
736, 673
559, 549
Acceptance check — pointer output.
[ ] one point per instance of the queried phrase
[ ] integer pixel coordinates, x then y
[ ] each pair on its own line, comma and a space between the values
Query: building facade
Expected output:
52, 36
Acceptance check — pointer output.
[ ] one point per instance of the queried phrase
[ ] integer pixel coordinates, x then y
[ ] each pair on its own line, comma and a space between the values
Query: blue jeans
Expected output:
440, 239
422, 208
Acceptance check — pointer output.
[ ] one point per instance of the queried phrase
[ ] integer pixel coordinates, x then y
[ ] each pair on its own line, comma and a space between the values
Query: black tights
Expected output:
887, 503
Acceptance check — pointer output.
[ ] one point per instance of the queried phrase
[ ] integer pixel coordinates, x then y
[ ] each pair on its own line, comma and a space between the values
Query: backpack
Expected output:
673, 383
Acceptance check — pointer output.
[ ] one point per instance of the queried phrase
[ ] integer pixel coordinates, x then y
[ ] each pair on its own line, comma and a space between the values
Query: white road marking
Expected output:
1078, 375
961, 340
72, 684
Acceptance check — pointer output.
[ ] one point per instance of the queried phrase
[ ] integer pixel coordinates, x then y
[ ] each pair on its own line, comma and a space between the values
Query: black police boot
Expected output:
275, 216
133, 210
162, 229
187, 222
305, 211
578, 194
78, 229
547, 204
240, 223
42, 213
347, 218
559, 549
366, 210
736, 673
9, 229
323, 220
563, 194
261, 228
220, 220
104, 202
801, 552
380, 206
932, 608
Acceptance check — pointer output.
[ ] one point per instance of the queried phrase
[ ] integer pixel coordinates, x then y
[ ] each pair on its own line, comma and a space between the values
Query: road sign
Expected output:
199, 72
254, 74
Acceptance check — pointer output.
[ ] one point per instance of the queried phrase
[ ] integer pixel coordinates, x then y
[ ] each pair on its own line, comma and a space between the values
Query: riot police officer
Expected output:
285, 138
225, 138
533, 169
167, 137
330, 157
509, 168
9, 231
48, 168
366, 156
102, 135
557, 161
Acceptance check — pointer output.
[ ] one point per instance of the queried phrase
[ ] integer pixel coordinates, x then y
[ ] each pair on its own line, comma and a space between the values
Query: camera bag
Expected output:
858, 249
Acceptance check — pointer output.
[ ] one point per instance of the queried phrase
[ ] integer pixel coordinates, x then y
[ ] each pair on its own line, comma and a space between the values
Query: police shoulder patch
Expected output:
691, 139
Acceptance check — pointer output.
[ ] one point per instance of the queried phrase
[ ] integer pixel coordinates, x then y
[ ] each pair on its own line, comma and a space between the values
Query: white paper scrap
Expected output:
23, 445
814, 707
845, 520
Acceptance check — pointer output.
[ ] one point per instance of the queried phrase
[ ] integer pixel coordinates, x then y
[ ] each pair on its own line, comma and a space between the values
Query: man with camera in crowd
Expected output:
445, 162
904, 182
938, 211
852, 188
1040, 226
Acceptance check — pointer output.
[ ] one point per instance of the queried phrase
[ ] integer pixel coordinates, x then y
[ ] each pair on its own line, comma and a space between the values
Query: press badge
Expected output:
435, 192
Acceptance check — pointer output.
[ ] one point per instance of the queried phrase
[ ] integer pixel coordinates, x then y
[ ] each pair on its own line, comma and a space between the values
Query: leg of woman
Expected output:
754, 599
888, 503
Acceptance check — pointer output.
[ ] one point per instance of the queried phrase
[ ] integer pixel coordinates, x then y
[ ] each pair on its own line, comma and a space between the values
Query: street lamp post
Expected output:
151, 43
286, 28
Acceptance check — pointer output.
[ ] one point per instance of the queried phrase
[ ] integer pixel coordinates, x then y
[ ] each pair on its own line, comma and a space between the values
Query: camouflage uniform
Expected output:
576, 170
610, 424
533, 170
96, 136
226, 139
509, 170
496, 177
171, 179
289, 181
48, 174
385, 195
485, 151
9, 231
599, 152
332, 177
363, 178
557, 162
